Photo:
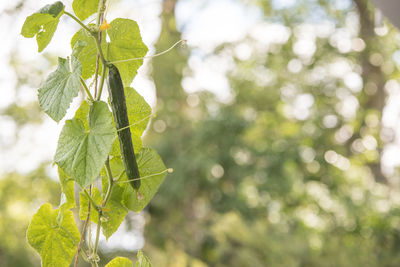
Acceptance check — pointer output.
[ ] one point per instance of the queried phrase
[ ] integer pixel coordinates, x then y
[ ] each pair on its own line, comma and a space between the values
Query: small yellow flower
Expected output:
104, 26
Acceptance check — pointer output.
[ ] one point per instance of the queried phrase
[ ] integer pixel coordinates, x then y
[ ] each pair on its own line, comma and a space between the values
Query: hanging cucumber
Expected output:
119, 110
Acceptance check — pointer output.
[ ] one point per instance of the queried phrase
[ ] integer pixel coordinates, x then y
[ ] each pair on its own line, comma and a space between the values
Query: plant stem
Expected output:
106, 199
97, 208
103, 77
77, 20
82, 237
96, 242
156, 55
90, 226
135, 123
96, 74
87, 90
90, 239
97, 36
94, 34
98, 45
100, 12
100, 16
110, 182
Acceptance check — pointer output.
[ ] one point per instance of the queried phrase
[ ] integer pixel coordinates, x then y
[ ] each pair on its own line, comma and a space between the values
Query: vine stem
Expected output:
110, 182
83, 234
77, 20
97, 37
98, 45
106, 199
156, 55
87, 90
169, 170
96, 207
100, 11
103, 77
99, 20
96, 242
81, 240
104, 62
96, 74
95, 34
135, 123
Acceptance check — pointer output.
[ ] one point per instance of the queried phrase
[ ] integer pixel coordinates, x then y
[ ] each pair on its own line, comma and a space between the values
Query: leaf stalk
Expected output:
78, 21
86, 90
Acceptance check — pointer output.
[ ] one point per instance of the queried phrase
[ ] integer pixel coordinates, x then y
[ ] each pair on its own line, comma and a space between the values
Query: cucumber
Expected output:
119, 110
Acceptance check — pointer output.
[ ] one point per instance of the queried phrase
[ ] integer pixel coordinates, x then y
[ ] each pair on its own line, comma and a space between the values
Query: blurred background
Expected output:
279, 117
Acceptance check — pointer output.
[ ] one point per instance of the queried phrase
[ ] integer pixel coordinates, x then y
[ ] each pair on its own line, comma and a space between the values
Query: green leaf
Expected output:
114, 212
82, 113
34, 24
60, 88
54, 9
43, 24
136, 141
55, 241
126, 43
120, 262
78, 47
139, 113
84, 8
153, 171
67, 187
142, 261
82, 151
88, 54
84, 202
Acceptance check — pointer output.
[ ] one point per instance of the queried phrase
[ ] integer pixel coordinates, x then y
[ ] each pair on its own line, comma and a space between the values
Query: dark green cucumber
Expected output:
119, 110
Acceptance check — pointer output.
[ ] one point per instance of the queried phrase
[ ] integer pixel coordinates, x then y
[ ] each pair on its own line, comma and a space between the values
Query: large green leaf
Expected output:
114, 211
82, 151
82, 113
57, 93
43, 24
84, 8
89, 53
67, 188
142, 261
55, 241
125, 43
139, 113
136, 141
151, 169
152, 172
120, 262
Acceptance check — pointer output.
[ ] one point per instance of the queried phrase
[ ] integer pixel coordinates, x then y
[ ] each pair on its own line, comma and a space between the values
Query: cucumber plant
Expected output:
96, 143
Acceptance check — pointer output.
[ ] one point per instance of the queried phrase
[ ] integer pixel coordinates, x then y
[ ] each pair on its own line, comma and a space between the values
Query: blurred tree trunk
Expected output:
171, 98
373, 76
166, 83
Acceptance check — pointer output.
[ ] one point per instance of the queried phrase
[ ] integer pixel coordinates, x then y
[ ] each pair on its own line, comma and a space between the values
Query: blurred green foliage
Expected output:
288, 172
20, 197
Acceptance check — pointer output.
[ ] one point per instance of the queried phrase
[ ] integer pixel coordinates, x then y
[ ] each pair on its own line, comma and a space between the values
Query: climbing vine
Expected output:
103, 139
